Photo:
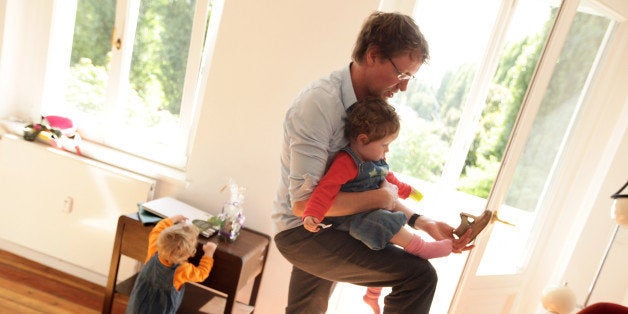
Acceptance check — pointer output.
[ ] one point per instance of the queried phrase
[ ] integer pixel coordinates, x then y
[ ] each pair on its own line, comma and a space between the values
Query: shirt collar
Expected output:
347, 93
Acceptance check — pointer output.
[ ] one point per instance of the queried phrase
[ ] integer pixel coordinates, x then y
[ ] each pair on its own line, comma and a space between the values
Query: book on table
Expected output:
168, 206
146, 217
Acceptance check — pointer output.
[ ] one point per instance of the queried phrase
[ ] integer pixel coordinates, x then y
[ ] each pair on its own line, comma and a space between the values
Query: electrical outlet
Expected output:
68, 204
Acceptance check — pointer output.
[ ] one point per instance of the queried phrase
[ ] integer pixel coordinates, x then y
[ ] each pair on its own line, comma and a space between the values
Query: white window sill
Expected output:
107, 155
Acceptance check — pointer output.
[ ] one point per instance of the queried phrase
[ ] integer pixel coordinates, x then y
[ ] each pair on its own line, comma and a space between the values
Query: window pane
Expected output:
130, 98
541, 155
150, 120
89, 65
160, 51
432, 105
458, 33
526, 37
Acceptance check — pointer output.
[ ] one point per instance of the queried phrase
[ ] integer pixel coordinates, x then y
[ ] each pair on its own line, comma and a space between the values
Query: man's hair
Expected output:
373, 117
177, 243
393, 34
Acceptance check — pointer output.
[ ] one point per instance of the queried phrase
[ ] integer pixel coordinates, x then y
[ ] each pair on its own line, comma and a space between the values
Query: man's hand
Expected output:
462, 244
391, 195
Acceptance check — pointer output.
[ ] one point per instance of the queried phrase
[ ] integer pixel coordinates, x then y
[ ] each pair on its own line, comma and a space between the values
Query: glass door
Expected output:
550, 110
459, 113
485, 123
484, 126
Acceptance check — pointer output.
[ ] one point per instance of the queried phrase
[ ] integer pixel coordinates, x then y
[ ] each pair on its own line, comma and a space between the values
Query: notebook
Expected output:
167, 207
146, 217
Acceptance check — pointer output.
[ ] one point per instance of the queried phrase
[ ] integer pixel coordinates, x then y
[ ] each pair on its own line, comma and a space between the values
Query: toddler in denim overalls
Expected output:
370, 126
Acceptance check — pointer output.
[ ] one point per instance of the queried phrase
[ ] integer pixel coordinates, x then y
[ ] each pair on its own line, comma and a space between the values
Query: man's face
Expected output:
391, 75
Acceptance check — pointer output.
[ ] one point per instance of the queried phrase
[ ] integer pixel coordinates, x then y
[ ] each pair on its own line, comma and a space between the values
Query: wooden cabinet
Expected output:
235, 263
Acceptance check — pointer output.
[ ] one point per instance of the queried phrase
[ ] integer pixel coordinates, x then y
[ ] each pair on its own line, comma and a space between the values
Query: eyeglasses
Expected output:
400, 75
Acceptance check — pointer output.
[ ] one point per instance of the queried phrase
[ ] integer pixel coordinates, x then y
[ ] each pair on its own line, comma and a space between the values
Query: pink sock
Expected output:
372, 298
424, 249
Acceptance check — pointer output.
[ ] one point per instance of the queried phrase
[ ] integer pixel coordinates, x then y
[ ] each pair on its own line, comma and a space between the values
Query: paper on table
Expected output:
169, 206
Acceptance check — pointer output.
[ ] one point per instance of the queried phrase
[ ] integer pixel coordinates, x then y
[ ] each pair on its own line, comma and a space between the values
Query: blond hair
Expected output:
177, 243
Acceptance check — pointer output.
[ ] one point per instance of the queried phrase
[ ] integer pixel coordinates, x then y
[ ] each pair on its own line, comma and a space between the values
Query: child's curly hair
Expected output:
373, 117
177, 243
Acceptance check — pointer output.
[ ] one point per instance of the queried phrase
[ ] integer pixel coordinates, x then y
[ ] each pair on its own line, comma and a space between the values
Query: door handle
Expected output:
115, 42
495, 218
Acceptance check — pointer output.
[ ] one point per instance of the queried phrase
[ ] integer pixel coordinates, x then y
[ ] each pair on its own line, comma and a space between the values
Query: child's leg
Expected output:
378, 228
413, 244
372, 298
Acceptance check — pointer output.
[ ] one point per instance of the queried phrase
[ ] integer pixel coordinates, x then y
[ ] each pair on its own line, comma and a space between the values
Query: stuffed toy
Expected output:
54, 130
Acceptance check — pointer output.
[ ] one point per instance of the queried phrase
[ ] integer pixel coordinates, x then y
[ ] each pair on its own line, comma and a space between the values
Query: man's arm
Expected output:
348, 203
438, 230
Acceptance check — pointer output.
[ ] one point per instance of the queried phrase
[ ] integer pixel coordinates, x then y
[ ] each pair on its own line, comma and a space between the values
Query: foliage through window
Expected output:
438, 102
134, 73
434, 105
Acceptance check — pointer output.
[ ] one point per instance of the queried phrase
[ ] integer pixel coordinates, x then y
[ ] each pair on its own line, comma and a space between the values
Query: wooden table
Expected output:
235, 263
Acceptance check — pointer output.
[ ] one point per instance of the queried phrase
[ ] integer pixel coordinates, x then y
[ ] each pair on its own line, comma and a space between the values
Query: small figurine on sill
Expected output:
57, 131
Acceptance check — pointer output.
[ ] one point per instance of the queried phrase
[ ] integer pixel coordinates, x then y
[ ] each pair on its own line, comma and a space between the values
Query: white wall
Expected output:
265, 52
612, 286
22, 59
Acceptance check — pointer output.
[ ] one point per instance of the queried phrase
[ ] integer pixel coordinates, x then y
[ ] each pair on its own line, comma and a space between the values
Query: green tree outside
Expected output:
422, 148
158, 64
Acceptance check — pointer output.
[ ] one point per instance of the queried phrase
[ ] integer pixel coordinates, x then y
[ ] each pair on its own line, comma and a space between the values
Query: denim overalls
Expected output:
374, 228
154, 291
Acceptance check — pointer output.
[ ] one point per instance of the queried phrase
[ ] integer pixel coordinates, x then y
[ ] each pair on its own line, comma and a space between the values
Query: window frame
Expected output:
95, 143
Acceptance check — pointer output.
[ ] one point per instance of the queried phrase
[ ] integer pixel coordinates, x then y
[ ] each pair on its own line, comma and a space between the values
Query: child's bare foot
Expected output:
371, 298
373, 303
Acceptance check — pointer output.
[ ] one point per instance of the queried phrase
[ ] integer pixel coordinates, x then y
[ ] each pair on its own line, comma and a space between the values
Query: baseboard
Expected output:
53, 262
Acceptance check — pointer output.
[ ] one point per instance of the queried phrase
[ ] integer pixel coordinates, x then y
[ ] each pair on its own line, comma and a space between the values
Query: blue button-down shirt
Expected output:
313, 133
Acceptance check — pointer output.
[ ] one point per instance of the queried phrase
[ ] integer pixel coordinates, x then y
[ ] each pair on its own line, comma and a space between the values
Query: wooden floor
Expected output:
29, 287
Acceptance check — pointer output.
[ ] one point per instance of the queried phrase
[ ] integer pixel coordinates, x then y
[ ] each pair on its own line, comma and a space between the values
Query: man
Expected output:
389, 50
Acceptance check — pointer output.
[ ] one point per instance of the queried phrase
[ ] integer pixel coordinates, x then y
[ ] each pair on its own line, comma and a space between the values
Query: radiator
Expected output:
62, 205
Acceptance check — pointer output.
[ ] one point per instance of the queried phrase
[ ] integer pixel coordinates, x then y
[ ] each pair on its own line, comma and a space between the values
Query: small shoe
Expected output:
477, 223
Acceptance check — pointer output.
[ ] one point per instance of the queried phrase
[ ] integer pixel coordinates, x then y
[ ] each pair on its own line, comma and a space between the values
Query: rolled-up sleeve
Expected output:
309, 130
313, 131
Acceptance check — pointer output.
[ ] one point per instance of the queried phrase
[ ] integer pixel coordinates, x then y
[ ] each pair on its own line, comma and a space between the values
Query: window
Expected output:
132, 75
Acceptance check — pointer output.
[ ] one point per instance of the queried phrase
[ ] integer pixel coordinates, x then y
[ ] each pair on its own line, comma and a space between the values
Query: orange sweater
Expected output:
186, 272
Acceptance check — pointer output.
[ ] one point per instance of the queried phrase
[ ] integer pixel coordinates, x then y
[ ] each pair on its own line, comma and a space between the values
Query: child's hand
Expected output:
209, 248
311, 224
178, 218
